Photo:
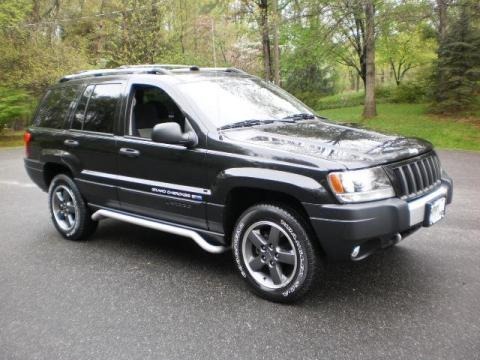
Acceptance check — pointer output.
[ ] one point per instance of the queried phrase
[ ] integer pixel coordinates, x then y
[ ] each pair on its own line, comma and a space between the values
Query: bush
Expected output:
346, 99
383, 94
15, 105
406, 92
410, 92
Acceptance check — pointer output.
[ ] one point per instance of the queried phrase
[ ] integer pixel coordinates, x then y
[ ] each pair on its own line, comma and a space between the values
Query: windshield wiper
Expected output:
255, 122
245, 123
299, 116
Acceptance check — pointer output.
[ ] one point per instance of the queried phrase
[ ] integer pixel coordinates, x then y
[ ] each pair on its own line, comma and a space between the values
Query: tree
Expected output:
442, 11
276, 45
349, 35
458, 70
405, 49
370, 108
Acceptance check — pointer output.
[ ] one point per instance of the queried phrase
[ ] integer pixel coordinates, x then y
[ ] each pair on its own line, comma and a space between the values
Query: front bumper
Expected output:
372, 225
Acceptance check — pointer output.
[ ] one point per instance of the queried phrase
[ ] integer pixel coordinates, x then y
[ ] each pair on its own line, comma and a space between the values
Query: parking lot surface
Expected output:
133, 293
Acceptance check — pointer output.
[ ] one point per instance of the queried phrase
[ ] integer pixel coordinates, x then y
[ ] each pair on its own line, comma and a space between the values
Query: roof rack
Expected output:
143, 69
162, 66
118, 71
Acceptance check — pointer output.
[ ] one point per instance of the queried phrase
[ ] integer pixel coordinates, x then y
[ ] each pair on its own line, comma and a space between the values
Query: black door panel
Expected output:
163, 181
94, 153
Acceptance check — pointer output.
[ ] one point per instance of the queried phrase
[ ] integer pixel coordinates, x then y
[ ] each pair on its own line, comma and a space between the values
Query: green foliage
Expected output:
12, 12
321, 43
310, 82
354, 98
305, 71
410, 92
458, 67
346, 99
404, 47
413, 120
15, 105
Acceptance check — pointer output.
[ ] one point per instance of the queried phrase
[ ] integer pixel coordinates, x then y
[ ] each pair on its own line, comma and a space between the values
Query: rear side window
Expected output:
56, 106
79, 114
97, 108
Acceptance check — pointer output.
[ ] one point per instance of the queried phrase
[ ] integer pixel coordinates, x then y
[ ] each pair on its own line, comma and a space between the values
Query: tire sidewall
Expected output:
77, 202
299, 237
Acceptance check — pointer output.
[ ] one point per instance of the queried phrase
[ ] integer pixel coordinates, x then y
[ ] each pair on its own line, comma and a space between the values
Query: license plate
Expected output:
435, 211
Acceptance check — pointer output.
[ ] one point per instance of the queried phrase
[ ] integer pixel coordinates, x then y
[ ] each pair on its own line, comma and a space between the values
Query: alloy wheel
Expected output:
269, 254
64, 207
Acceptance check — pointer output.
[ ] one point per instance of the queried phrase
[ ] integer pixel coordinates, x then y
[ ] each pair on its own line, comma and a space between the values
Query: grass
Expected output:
383, 94
412, 120
9, 138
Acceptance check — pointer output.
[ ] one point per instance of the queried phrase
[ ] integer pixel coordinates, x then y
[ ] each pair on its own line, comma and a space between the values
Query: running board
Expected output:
214, 249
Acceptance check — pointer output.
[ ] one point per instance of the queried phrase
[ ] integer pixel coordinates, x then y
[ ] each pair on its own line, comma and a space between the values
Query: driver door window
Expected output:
150, 106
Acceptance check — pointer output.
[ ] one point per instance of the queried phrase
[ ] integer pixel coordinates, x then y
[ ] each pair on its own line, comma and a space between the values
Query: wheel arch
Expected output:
241, 198
52, 169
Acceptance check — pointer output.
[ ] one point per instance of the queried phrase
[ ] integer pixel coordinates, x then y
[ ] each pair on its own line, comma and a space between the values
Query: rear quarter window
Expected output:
97, 108
56, 106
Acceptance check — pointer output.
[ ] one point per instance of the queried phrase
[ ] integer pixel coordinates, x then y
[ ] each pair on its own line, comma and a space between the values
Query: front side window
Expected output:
226, 100
150, 106
97, 108
56, 106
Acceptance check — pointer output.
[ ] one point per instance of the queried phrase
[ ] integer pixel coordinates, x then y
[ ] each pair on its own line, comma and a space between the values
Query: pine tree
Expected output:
458, 68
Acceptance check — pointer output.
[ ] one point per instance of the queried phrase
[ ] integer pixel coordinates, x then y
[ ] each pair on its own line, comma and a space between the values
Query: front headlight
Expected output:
361, 185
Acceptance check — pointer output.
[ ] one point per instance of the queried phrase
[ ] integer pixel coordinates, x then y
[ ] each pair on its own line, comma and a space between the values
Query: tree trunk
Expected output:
267, 60
370, 109
442, 6
276, 46
36, 11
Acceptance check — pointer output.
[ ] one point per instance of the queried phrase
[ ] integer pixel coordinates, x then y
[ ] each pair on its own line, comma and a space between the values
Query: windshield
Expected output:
228, 100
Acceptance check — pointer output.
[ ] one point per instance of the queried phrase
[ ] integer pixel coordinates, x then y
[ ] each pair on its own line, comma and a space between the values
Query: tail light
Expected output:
27, 138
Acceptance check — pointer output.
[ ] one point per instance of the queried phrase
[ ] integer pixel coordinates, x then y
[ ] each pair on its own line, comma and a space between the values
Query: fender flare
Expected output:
301, 187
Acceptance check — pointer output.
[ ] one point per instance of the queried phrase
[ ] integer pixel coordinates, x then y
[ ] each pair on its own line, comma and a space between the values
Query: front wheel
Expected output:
274, 253
70, 214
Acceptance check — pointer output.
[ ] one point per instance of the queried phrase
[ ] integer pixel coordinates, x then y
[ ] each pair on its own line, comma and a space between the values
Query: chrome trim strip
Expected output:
214, 249
148, 182
96, 183
416, 208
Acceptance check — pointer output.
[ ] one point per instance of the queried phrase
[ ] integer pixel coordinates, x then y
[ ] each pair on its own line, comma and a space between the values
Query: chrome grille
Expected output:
418, 176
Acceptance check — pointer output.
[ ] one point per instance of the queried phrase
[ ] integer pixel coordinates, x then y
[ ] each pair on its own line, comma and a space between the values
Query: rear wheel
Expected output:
274, 252
70, 214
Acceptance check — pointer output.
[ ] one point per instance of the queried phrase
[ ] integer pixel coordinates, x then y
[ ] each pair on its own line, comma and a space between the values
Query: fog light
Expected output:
355, 252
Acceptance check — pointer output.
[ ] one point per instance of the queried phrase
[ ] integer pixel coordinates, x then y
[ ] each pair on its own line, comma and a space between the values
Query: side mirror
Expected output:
171, 133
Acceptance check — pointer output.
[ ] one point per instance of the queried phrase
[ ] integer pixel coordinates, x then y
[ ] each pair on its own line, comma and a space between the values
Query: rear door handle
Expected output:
71, 143
129, 152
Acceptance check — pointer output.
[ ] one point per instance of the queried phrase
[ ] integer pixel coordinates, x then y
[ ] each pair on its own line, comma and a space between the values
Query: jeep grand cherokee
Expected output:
229, 161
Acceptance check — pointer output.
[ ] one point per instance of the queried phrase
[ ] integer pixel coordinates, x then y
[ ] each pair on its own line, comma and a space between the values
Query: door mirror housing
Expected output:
171, 133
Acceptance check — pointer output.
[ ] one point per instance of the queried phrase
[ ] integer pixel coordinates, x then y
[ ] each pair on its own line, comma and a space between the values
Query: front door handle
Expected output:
129, 152
71, 143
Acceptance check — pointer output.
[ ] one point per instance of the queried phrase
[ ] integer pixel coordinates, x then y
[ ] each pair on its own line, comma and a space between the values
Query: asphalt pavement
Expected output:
133, 293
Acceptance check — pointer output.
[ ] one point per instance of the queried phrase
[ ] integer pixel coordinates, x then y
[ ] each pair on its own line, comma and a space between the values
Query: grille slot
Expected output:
418, 176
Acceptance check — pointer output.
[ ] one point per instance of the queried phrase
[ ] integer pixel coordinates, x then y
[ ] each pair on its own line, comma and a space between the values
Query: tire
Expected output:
70, 214
274, 252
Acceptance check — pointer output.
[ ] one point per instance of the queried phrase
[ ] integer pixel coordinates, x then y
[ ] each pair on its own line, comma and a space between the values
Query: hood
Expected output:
353, 147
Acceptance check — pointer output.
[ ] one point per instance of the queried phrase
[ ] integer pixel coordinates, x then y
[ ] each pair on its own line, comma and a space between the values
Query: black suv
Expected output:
229, 161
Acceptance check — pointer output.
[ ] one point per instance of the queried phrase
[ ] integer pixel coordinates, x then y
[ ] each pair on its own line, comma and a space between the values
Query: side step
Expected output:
214, 249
